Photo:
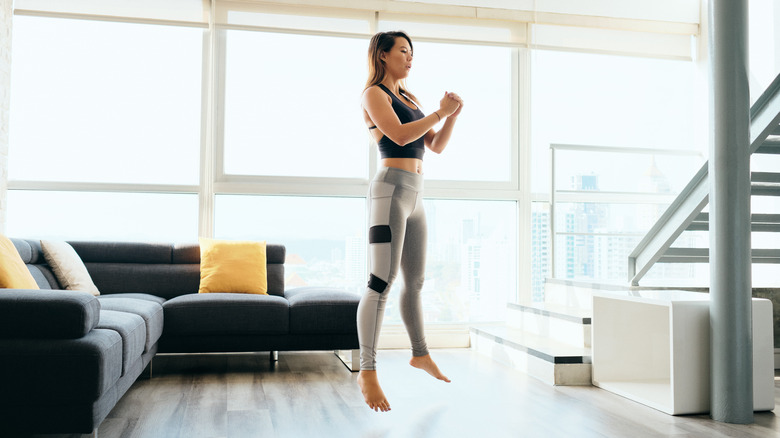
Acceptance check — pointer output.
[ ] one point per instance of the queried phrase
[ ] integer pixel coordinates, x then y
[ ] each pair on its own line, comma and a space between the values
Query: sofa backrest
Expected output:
161, 269
32, 256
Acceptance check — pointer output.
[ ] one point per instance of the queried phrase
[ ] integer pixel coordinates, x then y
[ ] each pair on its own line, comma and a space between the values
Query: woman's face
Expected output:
398, 61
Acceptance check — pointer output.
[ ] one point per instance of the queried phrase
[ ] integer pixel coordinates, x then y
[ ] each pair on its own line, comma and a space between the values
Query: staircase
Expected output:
549, 340
685, 213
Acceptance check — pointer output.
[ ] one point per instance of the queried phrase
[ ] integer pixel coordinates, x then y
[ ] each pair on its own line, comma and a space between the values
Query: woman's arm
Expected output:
437, 141
379, 107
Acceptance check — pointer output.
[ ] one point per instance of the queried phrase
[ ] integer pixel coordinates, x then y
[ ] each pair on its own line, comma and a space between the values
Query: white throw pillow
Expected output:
67, 266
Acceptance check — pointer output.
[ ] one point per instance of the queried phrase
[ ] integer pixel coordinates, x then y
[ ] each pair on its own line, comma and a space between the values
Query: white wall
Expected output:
6, 9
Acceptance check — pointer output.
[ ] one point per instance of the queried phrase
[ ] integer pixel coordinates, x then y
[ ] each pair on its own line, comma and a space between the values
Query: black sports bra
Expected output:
388, 148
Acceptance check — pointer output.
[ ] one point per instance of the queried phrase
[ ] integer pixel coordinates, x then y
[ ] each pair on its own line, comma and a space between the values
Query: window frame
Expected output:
214, 181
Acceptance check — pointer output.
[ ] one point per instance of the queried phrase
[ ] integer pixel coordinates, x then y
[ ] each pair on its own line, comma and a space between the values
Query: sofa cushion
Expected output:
44, 277
123, 252
322, 310
151, 312
275, 256
67, 266
13, 271
145, 297
131, 328
50, 314
232, 266
226, 314
186, 253
162, 280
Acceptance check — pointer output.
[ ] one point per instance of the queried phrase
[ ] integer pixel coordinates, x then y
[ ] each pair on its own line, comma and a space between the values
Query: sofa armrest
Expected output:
47, 314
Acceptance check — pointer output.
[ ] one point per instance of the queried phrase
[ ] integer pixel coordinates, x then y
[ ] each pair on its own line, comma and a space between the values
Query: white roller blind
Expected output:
462, 29
612, 41
196, 11
663, 28
675, 11
305, 18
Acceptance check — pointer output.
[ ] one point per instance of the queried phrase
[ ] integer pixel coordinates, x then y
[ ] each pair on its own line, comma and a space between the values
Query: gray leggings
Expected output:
397, 237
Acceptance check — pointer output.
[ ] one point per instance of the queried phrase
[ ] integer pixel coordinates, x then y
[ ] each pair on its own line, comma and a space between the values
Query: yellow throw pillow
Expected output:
232, 266
13, 272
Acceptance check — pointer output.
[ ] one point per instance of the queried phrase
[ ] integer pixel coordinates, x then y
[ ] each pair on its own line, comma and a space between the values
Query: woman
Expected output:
397, 233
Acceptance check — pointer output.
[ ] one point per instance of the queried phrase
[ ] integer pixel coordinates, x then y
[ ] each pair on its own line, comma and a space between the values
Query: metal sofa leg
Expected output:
350, 358
274, 356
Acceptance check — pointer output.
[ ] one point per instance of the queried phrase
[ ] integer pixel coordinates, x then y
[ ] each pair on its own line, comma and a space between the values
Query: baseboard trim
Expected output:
395, 337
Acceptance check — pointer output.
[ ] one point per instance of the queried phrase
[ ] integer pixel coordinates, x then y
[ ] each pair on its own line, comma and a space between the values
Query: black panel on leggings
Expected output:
379, 234
377, 284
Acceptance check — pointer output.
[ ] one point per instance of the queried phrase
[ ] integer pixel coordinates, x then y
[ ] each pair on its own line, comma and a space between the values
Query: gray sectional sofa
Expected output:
67, 357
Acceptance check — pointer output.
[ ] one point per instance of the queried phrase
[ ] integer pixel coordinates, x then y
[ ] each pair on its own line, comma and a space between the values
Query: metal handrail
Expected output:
764, 120
606, 149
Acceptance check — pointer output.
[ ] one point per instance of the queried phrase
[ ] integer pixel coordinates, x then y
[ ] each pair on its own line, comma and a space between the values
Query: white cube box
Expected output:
653, 347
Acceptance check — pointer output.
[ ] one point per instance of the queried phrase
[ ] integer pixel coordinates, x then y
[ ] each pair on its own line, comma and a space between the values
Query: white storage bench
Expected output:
654, 347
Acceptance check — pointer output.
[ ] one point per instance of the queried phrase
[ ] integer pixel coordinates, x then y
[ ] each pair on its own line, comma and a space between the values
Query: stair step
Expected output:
755, 217
550, 361
758, 222
765, 177
546, 349
556, 311
757, 227
770, 145
574, 294
569, 325
702, 255
764, 190
764, 184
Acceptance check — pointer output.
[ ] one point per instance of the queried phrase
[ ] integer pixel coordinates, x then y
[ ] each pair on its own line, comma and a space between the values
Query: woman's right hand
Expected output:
448, 105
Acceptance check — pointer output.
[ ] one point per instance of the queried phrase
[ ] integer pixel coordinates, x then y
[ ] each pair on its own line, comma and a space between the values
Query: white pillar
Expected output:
730, 256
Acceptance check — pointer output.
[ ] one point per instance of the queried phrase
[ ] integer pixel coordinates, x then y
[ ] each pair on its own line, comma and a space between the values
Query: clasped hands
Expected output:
451, 104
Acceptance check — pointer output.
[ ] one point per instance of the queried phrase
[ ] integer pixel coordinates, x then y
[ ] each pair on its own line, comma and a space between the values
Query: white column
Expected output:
730, 256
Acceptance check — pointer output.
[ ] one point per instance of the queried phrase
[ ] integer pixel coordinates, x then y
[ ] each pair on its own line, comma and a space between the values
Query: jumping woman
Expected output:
397, 229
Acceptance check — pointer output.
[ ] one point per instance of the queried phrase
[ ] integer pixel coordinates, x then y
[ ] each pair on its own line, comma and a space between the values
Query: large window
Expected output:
604, 100
96, 101
292, 105
81, 215
613, 141
242, 120
107, 132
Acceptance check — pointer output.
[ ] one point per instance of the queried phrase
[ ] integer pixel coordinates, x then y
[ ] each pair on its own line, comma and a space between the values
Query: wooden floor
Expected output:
313, 395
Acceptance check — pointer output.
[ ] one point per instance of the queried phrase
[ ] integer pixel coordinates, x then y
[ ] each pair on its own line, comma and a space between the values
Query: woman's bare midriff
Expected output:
413, 165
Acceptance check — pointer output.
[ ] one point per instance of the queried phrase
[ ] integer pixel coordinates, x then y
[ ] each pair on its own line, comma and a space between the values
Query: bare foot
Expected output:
369, 386
427, 364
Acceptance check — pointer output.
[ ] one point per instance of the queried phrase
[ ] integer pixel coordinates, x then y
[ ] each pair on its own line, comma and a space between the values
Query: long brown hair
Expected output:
380, 43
